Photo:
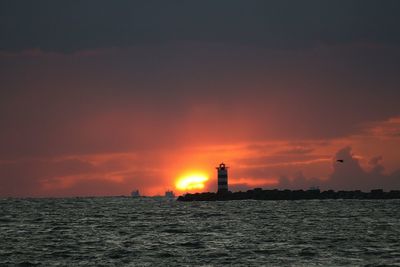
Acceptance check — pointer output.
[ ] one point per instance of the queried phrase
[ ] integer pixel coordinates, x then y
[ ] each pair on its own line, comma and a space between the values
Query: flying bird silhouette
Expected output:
340, 160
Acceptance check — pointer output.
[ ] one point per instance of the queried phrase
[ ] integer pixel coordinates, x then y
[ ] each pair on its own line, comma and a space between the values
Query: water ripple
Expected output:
152, 232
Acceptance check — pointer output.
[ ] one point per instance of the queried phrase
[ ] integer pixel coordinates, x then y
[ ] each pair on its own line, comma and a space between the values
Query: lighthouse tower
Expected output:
222, 178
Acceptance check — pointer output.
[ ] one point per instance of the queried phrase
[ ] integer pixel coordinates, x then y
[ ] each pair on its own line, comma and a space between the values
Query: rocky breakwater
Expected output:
260, 194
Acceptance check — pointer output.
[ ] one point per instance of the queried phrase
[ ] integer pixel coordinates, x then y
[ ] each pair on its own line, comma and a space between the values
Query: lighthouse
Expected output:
222, 178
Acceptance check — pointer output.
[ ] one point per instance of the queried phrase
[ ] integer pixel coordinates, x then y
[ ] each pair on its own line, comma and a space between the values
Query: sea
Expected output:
124, 231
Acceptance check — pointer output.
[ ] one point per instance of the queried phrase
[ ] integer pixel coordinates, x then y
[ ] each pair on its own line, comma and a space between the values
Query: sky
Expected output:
104, 97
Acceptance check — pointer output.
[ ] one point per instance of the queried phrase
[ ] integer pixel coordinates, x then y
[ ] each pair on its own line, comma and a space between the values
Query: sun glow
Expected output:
191, 181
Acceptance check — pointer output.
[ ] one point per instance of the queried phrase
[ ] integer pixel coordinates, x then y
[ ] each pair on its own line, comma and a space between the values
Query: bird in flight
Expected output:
340, 160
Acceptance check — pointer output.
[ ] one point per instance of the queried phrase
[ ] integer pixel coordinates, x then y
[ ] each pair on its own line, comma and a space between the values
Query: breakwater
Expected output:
260, 194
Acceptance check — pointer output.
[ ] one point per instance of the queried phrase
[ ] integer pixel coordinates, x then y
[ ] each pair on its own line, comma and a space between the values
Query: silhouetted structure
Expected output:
135, 193
276, 194
169, 194
222, 178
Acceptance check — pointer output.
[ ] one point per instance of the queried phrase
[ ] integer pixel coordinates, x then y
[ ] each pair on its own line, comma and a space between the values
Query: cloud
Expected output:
375, 160
389, 129
26, 177
113, 174
154, 172
96, 24
348, 175
298, 181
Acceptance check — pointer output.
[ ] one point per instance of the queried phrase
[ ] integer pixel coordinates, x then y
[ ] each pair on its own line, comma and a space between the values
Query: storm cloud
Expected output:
67, 26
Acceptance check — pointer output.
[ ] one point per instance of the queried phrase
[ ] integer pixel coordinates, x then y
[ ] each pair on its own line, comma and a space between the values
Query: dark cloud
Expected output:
69, 26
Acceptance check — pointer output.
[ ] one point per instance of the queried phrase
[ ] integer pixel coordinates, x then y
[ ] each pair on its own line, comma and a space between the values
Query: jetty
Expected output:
260, 194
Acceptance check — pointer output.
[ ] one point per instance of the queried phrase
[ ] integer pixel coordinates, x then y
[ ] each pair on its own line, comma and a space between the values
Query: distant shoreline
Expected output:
260, 194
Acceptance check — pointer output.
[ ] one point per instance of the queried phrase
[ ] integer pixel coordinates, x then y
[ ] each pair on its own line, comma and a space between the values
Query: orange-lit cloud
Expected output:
258, 164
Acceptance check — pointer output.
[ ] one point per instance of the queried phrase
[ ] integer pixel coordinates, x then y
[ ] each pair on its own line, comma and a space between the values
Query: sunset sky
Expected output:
103, 97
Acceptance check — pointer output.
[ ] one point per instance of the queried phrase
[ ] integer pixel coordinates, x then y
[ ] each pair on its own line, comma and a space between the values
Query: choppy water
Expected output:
154, 232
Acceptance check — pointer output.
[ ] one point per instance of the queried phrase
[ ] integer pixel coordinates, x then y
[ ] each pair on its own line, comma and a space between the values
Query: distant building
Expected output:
135, 193
169, 194
222, 178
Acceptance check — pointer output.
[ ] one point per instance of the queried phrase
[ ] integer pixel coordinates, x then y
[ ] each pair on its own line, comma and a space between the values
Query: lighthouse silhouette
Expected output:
222, 170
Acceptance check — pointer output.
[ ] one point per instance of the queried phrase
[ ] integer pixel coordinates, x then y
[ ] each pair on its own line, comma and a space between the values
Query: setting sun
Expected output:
191, 181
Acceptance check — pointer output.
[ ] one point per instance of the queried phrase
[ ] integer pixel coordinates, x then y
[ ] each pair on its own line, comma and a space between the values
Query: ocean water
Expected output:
118, 231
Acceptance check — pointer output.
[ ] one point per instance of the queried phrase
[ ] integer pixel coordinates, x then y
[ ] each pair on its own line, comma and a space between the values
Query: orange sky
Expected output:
252, 164
114, 120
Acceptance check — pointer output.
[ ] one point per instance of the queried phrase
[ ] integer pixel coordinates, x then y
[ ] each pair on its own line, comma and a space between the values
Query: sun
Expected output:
191, 181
